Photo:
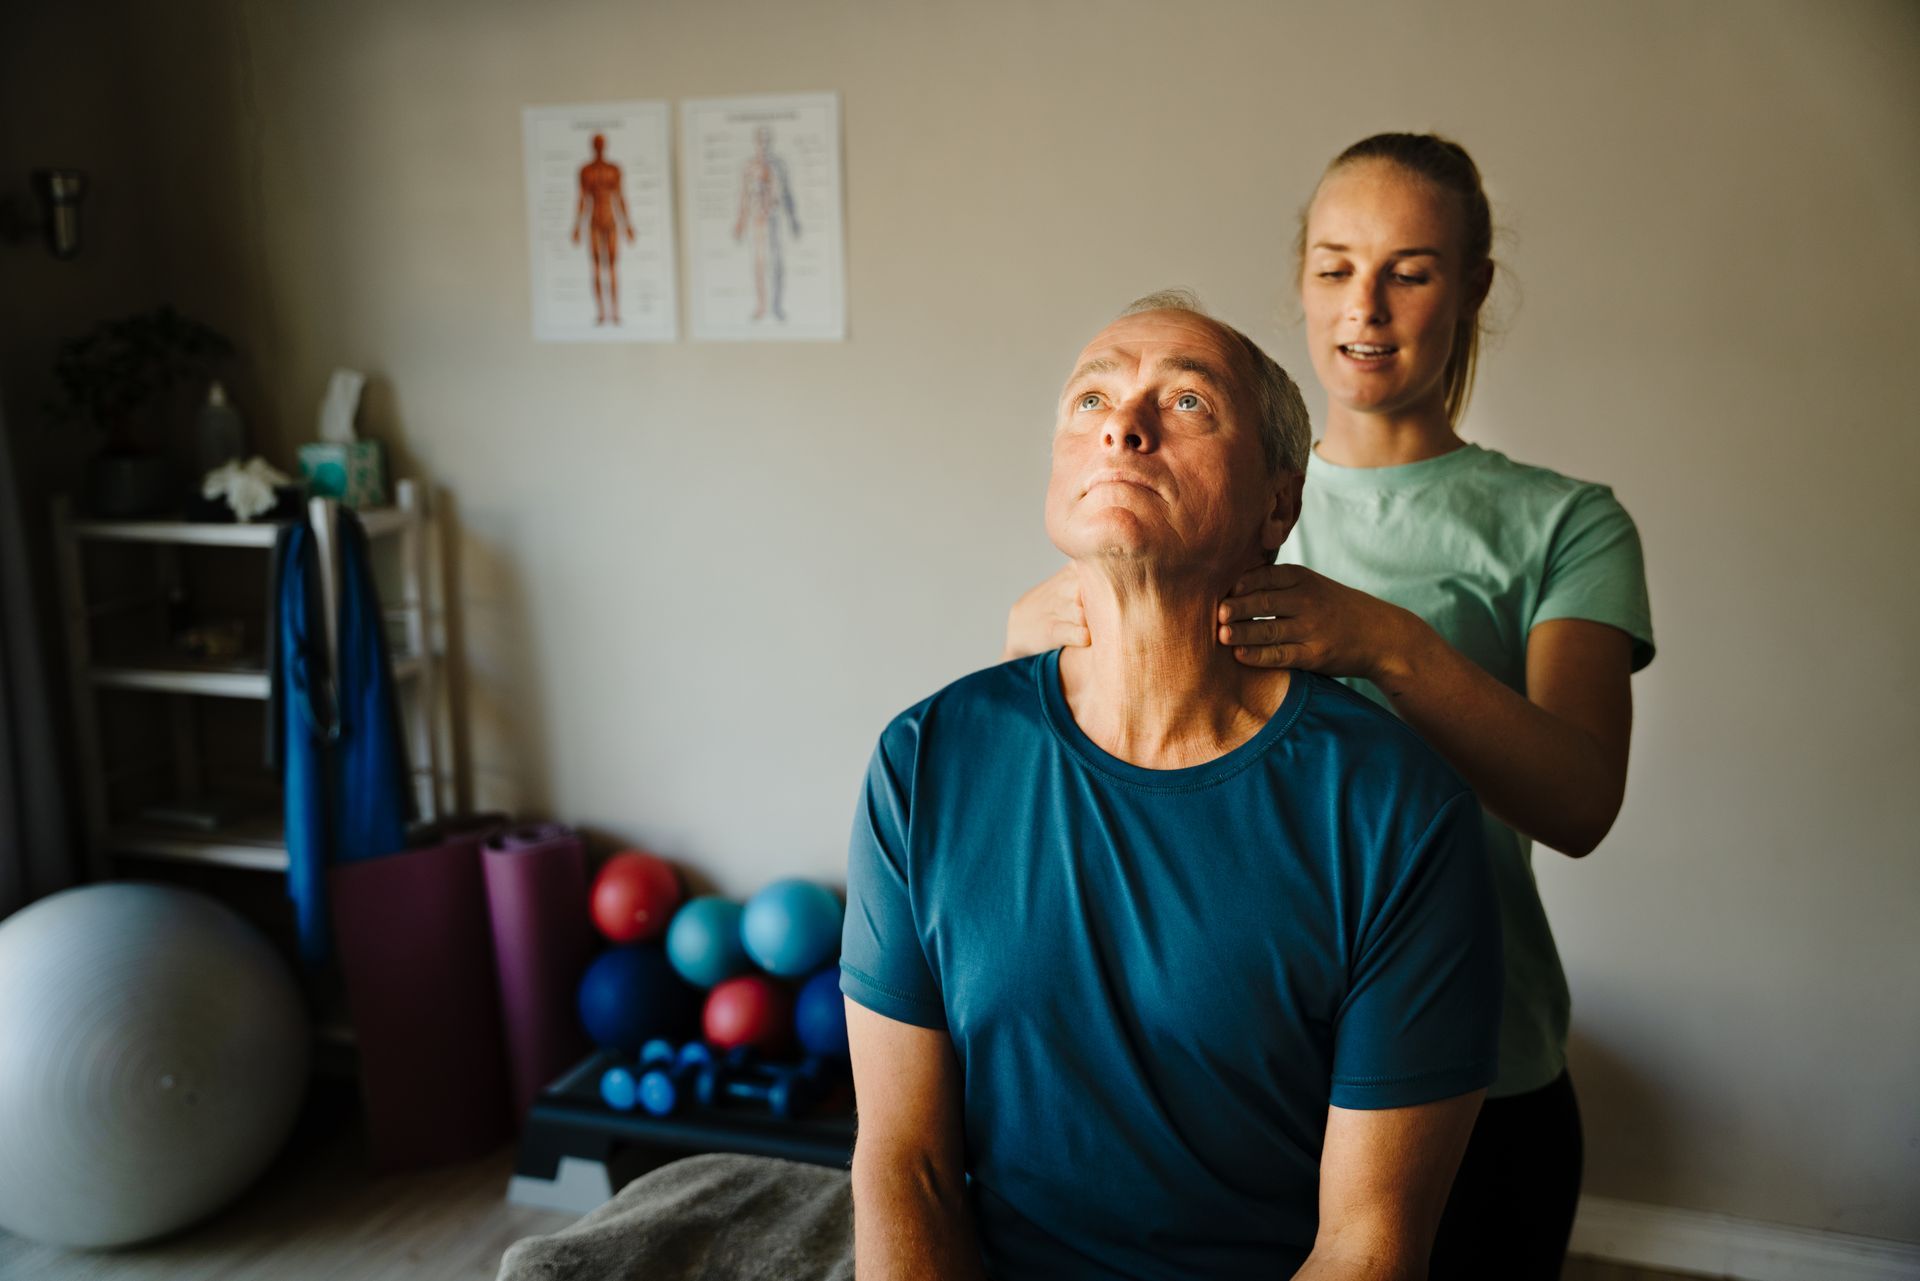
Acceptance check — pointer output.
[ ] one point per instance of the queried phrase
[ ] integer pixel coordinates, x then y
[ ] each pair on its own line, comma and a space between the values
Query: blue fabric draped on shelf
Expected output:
335, 726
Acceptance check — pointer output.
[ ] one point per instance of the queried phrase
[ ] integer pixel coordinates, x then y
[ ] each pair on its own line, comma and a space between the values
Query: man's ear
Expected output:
1284, 514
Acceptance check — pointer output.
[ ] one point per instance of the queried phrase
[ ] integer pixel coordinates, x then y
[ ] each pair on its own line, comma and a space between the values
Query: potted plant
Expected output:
123, 378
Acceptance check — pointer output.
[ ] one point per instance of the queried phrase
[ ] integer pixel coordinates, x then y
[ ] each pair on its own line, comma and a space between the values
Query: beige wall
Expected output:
697, 578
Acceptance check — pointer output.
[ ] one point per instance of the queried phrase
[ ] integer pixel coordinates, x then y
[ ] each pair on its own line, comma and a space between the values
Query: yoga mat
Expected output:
537, 896
416, 952
470, 828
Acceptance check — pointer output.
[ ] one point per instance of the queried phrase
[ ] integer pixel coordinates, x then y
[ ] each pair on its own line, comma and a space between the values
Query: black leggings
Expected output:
1511, 1209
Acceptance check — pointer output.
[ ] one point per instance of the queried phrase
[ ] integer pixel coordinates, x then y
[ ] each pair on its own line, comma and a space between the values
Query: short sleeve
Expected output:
1421, 1019
1596, 571
882, 964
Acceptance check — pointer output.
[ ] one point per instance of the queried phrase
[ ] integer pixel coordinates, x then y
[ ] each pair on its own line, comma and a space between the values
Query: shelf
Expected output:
377, 521
258, 846
113, 624
570, 1111
168, 675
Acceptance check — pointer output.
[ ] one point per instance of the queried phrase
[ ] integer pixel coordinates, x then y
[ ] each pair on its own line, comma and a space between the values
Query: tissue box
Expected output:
355, 473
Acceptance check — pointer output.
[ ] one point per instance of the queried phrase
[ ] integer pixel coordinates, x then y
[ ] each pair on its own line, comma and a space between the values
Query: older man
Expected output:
1160, 965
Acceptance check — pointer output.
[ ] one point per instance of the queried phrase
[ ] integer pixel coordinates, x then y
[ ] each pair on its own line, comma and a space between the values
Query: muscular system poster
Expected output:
600, 222
765, 253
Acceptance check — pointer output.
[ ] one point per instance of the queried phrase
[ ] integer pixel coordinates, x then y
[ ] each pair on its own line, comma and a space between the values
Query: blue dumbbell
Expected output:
620, 1084
619, 1088
671, 1077
623, 1085
783, 1090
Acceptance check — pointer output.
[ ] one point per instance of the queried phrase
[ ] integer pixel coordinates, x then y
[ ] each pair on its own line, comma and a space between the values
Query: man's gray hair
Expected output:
1286, 434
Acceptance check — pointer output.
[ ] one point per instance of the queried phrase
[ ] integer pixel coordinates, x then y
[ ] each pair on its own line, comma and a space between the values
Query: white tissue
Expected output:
247, 487
339, 405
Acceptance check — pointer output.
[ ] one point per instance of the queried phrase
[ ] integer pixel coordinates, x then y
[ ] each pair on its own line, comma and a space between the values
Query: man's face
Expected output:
1157, 456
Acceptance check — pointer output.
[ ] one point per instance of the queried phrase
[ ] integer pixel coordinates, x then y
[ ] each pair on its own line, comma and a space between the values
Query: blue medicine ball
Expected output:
703, 942
820, 1016
631, 995
792, 928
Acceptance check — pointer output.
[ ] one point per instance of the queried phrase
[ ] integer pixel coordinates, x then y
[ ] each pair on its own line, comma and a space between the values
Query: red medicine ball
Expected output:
635, 896
749, 1010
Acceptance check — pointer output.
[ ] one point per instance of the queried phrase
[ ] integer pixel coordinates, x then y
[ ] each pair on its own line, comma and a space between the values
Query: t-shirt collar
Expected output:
1068, 731
1325, 475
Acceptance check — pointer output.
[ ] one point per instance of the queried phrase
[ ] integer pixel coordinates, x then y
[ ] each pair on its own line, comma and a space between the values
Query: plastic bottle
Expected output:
218, 435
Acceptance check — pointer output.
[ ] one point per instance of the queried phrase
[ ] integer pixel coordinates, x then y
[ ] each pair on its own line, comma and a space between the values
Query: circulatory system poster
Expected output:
765, 248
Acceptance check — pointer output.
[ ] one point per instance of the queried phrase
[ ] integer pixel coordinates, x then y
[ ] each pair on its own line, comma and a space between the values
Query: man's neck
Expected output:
1156, 688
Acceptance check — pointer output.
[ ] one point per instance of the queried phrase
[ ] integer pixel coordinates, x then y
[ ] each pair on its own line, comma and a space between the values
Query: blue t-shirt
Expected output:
1156, 981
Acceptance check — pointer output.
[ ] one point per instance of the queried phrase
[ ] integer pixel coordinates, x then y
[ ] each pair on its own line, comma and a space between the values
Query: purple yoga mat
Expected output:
417, 955
537, 896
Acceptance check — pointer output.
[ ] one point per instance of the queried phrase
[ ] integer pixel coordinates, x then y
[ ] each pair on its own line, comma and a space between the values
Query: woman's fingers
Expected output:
1034, 622
1259, 631
1063, 596
1271, 655
1262, 604
1270, 578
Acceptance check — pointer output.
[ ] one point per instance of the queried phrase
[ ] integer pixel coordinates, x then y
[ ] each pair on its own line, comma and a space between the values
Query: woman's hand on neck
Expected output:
1357, 439
1155, 687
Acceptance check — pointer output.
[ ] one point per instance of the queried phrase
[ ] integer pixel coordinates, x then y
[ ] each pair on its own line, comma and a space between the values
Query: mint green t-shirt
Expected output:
1484, 548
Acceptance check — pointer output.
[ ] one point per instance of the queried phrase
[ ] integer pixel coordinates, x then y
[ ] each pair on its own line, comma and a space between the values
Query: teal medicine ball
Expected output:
703, 942
792, 928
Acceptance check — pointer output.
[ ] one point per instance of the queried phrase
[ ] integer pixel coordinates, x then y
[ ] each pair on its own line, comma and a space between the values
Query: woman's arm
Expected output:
1552, 764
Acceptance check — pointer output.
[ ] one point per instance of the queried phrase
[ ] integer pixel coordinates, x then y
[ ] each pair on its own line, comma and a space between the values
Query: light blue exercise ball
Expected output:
792, 928
703, 941
153, 1058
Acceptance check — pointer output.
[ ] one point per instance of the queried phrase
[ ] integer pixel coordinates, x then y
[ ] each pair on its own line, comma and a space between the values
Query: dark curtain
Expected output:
37, 852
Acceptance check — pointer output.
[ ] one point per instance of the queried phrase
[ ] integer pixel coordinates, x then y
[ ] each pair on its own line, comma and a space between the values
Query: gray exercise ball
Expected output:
153, 1058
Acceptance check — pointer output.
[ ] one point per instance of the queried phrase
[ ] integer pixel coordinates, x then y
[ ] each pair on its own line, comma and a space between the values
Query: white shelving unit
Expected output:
255, 843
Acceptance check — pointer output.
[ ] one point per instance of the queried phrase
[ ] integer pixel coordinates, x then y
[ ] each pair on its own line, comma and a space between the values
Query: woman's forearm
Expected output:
1541, 774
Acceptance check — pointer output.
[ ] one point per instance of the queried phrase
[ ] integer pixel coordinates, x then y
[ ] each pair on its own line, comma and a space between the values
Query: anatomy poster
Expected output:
600, 222
762, 188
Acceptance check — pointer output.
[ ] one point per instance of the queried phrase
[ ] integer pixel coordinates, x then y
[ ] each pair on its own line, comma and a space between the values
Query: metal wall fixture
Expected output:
58, 193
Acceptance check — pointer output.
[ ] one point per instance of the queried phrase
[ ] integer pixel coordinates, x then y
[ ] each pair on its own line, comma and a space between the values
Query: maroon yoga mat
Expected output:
537, 896
417, 955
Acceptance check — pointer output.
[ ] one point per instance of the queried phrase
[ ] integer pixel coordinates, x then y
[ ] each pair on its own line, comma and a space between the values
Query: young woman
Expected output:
1498, 608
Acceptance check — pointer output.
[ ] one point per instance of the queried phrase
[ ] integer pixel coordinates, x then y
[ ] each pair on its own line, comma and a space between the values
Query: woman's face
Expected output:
1383, 285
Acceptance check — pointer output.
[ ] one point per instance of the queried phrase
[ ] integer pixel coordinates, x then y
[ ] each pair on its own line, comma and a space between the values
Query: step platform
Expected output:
576, 1151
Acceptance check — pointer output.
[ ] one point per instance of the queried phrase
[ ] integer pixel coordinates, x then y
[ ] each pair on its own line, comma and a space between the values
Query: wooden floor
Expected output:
1597, 1270
319, 1215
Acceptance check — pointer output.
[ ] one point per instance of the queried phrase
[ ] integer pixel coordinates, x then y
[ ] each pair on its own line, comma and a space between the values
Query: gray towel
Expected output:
720, 1217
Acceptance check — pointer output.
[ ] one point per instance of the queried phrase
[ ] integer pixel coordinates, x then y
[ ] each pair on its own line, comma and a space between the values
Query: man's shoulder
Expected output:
992, 694
1371, 740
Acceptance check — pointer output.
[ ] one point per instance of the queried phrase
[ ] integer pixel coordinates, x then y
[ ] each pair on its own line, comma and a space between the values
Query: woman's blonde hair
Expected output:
1446, 164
